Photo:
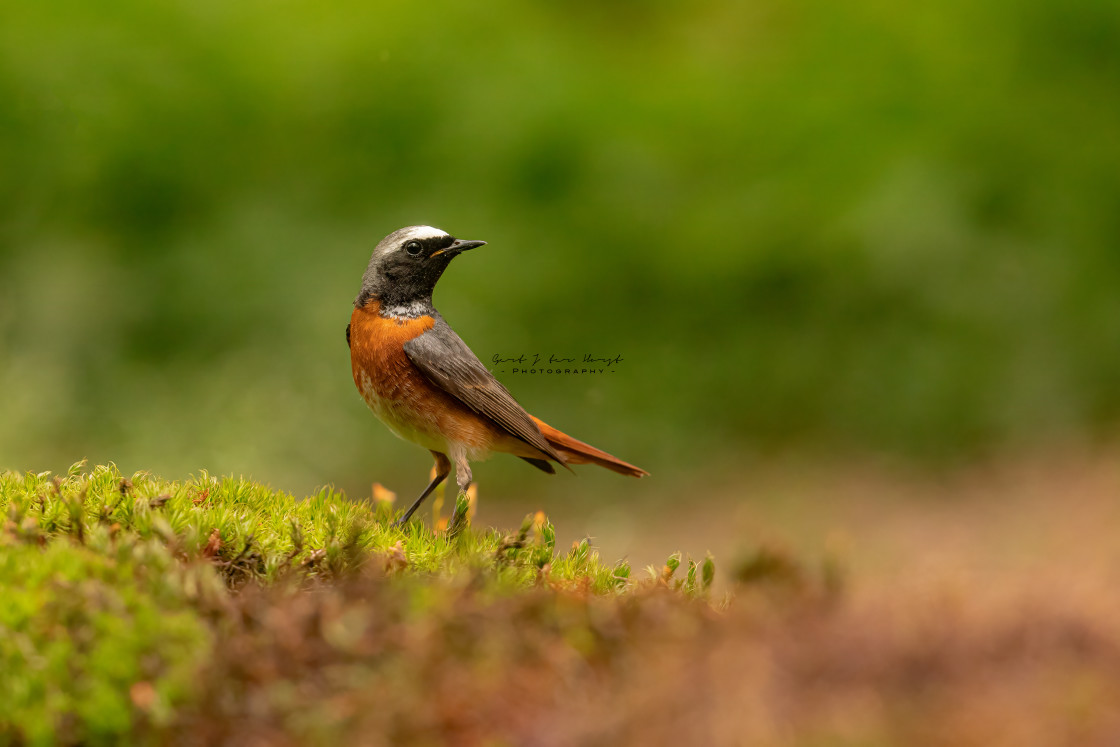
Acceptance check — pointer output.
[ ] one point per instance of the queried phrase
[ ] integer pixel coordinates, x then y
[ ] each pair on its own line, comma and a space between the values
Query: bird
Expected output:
422, 381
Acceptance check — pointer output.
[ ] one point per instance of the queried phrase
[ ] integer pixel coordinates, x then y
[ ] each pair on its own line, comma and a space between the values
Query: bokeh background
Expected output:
855, 230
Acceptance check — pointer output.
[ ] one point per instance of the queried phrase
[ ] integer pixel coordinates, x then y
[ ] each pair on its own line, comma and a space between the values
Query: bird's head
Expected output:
407, 263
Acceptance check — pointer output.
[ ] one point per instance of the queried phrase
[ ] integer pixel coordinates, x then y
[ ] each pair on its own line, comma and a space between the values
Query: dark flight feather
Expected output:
541, 464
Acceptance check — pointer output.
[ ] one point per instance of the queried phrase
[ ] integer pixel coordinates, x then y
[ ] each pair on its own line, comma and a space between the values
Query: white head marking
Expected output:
423, 232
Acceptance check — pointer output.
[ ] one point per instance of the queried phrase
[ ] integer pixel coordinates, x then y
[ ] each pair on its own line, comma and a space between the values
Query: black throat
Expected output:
396, 300
402, 283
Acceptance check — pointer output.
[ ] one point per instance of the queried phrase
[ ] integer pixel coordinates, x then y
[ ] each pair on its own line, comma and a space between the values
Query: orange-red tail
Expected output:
577, 452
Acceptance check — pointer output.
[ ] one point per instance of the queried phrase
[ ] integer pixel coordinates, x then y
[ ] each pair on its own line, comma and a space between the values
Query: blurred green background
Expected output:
855, 227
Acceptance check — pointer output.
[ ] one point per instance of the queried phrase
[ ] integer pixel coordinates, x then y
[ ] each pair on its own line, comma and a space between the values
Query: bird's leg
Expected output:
443, 469
459, 520
462, 468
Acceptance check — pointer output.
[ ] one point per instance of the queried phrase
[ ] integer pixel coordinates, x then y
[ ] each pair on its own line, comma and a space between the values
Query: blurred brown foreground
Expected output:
982, 611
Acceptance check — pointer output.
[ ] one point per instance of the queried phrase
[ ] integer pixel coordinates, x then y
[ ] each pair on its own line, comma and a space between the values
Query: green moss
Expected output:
254, 532
116, 591
97, 642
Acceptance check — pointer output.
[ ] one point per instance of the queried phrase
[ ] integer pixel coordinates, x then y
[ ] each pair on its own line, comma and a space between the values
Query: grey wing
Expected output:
446, 360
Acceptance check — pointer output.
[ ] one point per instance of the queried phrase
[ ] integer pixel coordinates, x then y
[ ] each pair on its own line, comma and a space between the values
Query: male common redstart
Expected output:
424, 383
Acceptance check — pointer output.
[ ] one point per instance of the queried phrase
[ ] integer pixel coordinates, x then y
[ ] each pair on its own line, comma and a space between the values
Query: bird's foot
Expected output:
459, 518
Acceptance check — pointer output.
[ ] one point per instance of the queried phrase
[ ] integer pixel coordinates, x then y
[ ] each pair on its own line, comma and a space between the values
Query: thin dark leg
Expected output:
443, 469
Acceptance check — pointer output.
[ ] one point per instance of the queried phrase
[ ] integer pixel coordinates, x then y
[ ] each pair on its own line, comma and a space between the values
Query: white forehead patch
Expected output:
423, 232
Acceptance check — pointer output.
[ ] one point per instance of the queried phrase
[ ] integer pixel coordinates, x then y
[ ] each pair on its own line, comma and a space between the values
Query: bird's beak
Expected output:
457, 247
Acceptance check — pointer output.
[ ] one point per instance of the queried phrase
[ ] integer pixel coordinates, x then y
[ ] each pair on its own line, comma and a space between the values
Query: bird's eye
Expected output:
413, 248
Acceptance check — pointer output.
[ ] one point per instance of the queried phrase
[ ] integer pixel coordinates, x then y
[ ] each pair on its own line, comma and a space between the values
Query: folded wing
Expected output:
448, 363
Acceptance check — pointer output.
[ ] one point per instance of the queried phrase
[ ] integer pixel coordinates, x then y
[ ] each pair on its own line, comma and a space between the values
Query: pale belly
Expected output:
402, 419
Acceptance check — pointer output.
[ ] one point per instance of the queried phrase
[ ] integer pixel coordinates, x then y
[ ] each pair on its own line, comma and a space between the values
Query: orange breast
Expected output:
401, 396
377, 352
